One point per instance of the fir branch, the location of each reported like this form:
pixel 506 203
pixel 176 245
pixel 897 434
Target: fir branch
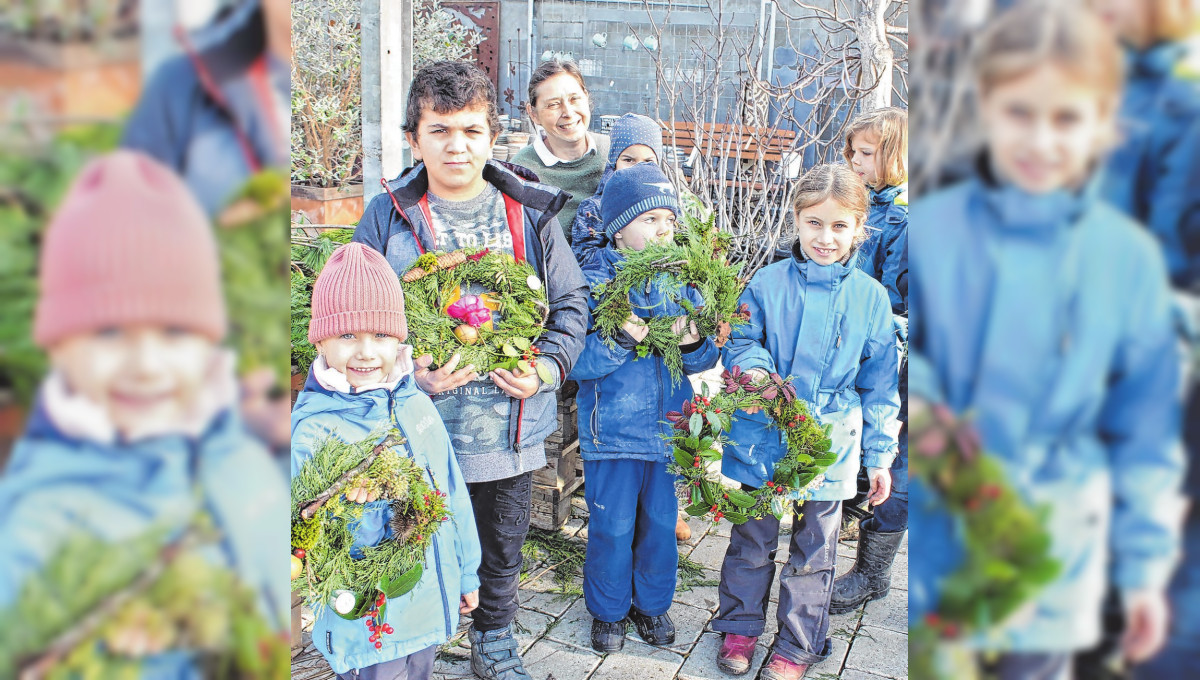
pixel 311 508
pixel 39 666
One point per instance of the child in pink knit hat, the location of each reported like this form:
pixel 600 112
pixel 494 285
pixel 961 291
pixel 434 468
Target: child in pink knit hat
pixel 361 382
pixel 135 429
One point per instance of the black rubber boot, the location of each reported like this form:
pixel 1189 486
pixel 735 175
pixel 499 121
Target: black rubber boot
pixel 608 637
pixel 871 577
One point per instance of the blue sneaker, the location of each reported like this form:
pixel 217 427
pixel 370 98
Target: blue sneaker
pixel 494 655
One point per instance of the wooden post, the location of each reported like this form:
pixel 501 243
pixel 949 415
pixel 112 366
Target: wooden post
pixel 387 67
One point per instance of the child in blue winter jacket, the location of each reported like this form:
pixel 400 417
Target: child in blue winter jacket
pixel 135 429
pixel 635 139
pixel 820 319
pixel 877 150
pixel 363 381
pixel 1046 314
pixel 632 556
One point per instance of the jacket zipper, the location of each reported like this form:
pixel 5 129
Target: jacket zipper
pixel 437 558
pixel 437 553
pixel 596 417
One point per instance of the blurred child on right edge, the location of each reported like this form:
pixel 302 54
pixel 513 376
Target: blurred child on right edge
pixel 1045 314
pixel 1154 173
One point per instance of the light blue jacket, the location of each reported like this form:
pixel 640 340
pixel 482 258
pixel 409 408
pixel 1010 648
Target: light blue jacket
pixel 830 328
pixel 428 615
pixel 1154 174
pixel 57 485
pixel 623 400
pixel 883 255
pixel 1048 318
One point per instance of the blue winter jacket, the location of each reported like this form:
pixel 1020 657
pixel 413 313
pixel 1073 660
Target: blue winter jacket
pixel 1048 318
pixel 179 122
pixel 882 255
pixel 830 328
pixel 587 232
pixel 403 236
pixel 1154 174
pixel 57 485
pixel 623 400
pixel 428 615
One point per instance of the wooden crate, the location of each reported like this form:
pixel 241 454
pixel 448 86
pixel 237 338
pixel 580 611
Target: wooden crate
pixel 551 507
pixel 560 471
pixel 562 446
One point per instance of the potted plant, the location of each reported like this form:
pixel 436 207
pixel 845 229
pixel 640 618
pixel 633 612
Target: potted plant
pixel 81 56
pixel 327 99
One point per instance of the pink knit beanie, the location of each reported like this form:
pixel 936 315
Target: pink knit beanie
pixel 128 245
pixel 357 292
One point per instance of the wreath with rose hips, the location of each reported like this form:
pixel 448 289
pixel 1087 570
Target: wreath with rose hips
pixel 1006 556
pixel 493 330
pixel 700 427
pixel 696 259
pixel 358 583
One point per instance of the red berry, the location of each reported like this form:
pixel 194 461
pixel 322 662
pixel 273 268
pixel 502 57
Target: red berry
pixel 299 552
pixel 378 645
pixel 802 418
pixel 770 484
pixel 387 628
pixel 718 410
pixel 370 624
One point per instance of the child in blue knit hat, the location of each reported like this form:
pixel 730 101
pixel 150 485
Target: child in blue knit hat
pixel 635 139
pixel 629 572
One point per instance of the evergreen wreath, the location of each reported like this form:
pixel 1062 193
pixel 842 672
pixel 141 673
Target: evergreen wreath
pixel 69 618
pixel 1006 552
pixel 700 428
pixel 323 566
pixel 443 322
pixel 697 258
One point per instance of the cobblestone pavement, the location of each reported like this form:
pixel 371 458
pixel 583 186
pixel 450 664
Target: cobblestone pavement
pixel 554 629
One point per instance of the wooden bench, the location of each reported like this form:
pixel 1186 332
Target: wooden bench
pixel 724 141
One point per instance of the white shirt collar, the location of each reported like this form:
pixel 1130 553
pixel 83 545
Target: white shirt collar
pixel 334 380
pixel 547 156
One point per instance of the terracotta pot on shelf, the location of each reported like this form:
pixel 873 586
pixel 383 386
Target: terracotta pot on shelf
pixel 333 205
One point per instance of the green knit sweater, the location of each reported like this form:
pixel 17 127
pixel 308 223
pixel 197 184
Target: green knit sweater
pixel 579 178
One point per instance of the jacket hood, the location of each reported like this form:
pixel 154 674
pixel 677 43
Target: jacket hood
pixel 232 41
pixel 515 182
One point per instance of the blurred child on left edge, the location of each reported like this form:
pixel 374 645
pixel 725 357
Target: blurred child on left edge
pixel 135 428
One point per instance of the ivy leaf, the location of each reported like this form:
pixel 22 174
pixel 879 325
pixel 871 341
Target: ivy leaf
pixel 696 509
pixel 521 343
pixel 695 423
pixel 736 517
pixel 683 458
pixel 704 389
pixel 740 498
pixel 714 420
pixel 709 492
pixel 510 351
pixel 544 372
pixel 403 583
